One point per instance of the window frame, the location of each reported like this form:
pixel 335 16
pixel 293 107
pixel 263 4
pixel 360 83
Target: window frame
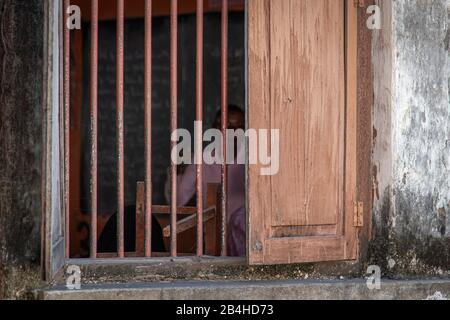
pixel 53 262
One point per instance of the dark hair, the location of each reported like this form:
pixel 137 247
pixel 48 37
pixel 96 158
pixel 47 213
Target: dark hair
pixel 232 108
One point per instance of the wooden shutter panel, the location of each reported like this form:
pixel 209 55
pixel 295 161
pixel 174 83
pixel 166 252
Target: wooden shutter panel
pixel 302 81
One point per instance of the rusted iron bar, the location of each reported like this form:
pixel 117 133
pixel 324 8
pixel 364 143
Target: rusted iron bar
pixel 199 118
pixel 148 128
pixel 120 128
pixel 174 118
pixel 67 126
pixel 224 120
pixel 94 126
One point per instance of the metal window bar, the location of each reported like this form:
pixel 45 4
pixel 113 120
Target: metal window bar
pixel 224 121
pixel 199 118
pixel 67 125
pixel 94 126
pixel 120 128
pixel 148 128
pixel 149 208
pixel 174 118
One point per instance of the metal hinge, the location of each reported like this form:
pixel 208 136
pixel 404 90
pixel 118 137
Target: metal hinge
pixel 359 3
pixel 358 221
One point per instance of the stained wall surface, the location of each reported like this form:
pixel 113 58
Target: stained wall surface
pixel 412 143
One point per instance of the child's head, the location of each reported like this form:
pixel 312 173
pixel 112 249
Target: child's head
pixel 236 118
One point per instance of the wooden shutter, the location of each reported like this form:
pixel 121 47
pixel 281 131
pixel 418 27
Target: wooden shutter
pixel 302 81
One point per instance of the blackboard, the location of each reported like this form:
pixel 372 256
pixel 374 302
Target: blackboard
pixel 134 98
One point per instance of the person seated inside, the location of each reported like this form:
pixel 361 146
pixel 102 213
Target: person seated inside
pixel 212 174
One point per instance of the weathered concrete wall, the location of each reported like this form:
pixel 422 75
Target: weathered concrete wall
pixel 412 147
pixel 21 72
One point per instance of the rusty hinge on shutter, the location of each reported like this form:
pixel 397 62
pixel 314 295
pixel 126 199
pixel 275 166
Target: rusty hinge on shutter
pixel 359 3
pixel 358 221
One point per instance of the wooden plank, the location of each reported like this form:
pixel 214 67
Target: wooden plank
pixel 190 222
pixel 287 98
pixel 307 92
pixel 323 49
pixel 305 231
pixel 351 138
pixel 180 210
pixel 140 219
pixel 259 187
pixel 309 249
pixel 76 216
